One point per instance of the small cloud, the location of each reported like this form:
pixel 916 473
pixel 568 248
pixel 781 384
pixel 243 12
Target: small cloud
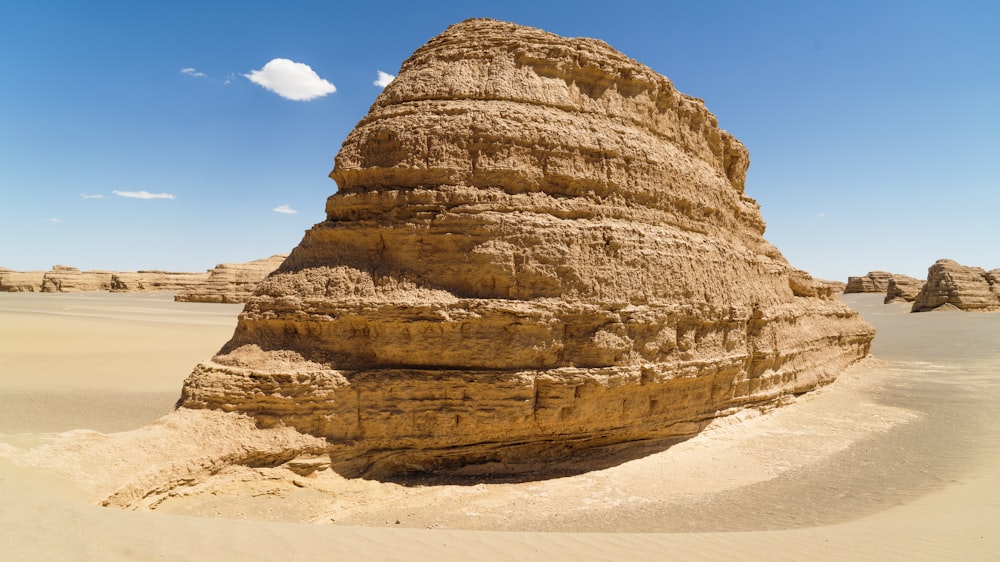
pixel 384 78
pixel 55 220
pixel 291 80
pixel 285 210
pixel 143 195
pixel 192 72
pixel 820 215
pixel 91 196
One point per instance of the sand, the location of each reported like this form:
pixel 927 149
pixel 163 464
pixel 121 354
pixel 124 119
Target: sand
pixel 899 458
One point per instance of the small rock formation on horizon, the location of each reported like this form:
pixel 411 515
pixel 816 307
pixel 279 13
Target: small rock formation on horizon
pixel 226 283
pixel 231 282
pixel 872 282
pixel 952 286
pixel 20 281
pixel 538 246
pixel 903 288
pixel 66 279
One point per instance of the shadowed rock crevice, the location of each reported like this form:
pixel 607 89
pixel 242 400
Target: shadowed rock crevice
pixel 538 247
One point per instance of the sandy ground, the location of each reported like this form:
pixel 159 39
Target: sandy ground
pixel 898 459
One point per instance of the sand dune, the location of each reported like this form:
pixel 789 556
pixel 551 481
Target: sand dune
pixel 899 458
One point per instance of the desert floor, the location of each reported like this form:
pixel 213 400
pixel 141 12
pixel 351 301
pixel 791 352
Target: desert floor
pixel 899 459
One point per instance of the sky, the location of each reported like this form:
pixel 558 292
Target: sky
pixel 178 135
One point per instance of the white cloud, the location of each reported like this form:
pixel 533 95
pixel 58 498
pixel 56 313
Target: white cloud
pixel 383 79
pixel 143 195
pixel 55 220
pixel 91 196
pixel 285 210
pixel 192 72
pixel 291 80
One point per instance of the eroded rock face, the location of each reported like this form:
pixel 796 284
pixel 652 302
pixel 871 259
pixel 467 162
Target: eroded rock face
pixel 66 279
pixel 145 281
pixel 951 285
pixel 538 245
pixel 903 288
pixel 872 282
pixel 20 281
pixel 231 282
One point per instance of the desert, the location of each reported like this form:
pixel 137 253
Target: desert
pixel 538 318
pixel 897 458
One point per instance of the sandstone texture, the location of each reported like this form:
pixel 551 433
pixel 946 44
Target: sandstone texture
pixel 66 279
pixel 952 286
pixel 20 281
pixel 903 288
pixel 231 282
pixel 169 281
pixel 872 282
pixel 538 246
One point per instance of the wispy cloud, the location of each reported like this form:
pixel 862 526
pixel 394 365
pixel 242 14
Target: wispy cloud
pixel 143 195
pixel 53 219
pixel 291 80
pixel 91 196
pixel 384 78
pixel 820 215
pixel 192 72
pixel 285 210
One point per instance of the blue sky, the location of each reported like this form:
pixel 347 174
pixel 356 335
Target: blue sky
pixel 138 135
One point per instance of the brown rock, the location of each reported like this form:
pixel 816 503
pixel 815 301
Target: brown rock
pixel 538 245
pixel 872 282
pixel 903 288
pixel 231 282
pixel 146 281
pixel 951 285
pixel 65 279
pixel 20 281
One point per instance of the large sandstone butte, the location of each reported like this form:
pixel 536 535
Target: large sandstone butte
pixel 538 245
pixel 871 282
pixel 231 282
pixel 951 285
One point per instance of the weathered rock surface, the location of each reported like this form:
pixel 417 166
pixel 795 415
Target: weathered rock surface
pixel 226 283
pixel 903 288
pixel 872 282
pixel 231 282
pixel 169 281
pixel 66 279
pixel 20 281
pixel 538 245
pixel 951 286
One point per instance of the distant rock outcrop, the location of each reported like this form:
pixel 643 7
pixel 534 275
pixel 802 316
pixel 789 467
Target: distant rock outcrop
pixel 231 282
pixel 538 245
pixel 951 286
pixel 145 281
pixel 66 279
pixel 872 282
pixel 903 288
pixel 227 283
pixel 20 281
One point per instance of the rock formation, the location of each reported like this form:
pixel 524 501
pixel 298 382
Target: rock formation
pixel 231 282
pixel 20 281
pixel 145 281
pixel 903 288
pixel 872 282
pixel 951 286
pixel 66 279
pixel 227 283
pixel 538 246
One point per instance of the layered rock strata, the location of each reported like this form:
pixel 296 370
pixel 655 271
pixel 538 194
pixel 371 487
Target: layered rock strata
pixel 871 282
pixel 66 279
pixel 538 245
pixel 20 281
pixel 231 282
pixel 903 288
pixel 951 286
pixel 144 281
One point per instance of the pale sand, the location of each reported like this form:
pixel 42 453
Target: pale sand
pixel 899 459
